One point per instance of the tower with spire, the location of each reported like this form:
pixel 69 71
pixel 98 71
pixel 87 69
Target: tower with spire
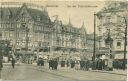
pixel 83 29
pixel 45 11
pixel 69 23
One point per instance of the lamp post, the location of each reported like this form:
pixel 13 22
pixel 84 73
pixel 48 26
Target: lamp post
pixel 109 42
pixel 1 59
pixel 94 55
pixel 27 38
pixel 1 47
pixel 125 42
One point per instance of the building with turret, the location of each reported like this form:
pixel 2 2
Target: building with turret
pixel 112 24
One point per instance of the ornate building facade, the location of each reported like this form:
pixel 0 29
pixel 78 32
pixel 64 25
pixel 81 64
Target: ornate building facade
pixel 112 24
pixel 28 28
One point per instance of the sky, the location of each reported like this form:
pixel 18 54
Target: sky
pixel 78 12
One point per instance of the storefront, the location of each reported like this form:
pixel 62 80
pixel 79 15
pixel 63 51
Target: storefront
pixel 119 61
pixel 104 56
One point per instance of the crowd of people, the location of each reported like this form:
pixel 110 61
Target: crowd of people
pixel 76 64
pixel 79 64
pixel 53 64
pixel 118 64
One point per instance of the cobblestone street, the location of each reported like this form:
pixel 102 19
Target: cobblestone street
pixel 33 72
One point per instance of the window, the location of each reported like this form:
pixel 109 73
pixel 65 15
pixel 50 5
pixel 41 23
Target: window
pixel 23 14
pixel 118 45
pixel 39 28
pixel 8 15
pixel 23 25
pixel 62 28
pixel 11 34
pixel 118 19
pixel 62 43
pixel 38 18
pixel 108 19
pixel 18 43
pixel 113 19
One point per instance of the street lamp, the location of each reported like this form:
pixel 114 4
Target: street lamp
pixel 125 42
pixel 94 38
pixel 109 42
pixel 94 53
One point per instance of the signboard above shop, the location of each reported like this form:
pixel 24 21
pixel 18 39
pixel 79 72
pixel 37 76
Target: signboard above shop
pixel 119 56
pixel 103 50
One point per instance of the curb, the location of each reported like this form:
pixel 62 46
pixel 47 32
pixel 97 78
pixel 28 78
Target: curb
pixel 109 72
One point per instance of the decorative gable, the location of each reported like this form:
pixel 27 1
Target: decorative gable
pixel 23 15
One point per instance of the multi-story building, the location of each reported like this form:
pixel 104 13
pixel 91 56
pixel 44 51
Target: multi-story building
pixel 28 27
pixel 90 45
pixel 24 26
pixel 112 23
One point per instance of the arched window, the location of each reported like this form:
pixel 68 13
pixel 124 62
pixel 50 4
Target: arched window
pixel 118 45
pixel 23 25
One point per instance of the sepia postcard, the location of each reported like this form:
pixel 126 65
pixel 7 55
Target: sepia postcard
pixel 63 40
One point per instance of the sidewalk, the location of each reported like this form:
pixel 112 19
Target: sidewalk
pixel 9 63
pixel 118 72
pixel 6 70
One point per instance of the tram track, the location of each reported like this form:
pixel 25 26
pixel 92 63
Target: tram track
pixel 55 74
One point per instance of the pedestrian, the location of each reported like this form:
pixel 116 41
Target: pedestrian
pixel 62 63
pixel 1 61
pixel 72 64
pixel 56 64
pixel 103 64
pixel 67 63
pixel 50 63
pixel 42 62
pixel 100 65
pixel 87 65
pixel 82 65
pixel 13 63
pixel 1 64
pixel 77 65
